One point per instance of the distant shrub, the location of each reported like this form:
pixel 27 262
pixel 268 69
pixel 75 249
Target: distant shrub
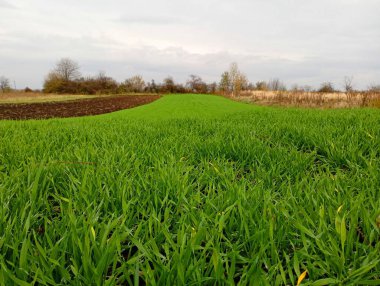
pixel 152 87
pixel 262 86
pixel 27 89
pixel 133 84
pixel 196 85
pixel 169 86
pixel 374 88
pixel 97 85
pixel 65 79
pixel 326 87
pixel 54 83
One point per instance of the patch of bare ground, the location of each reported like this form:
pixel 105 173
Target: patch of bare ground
pixel 73 108
pixel 312 99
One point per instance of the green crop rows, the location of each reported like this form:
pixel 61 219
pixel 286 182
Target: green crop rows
pixel 192 190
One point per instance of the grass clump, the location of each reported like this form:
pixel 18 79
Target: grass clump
pixel 192 189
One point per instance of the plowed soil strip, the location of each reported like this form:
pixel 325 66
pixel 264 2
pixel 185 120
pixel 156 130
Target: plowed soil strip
pixel 73 108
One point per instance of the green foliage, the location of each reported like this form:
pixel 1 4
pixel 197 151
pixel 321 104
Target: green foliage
pixel 192 190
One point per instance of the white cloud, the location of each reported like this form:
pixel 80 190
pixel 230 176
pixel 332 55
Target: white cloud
pixel 6 5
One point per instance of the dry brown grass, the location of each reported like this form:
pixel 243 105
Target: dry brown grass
pixel 312 99
pixel 32 97
pixel 375 103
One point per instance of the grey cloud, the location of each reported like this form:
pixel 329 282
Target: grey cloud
pixel 150 20
pixel 6 4
pixel 155 63
pixel 304 42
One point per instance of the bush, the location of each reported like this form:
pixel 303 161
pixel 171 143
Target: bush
pixel 196 85
pixel 169 86
pixel 54 83
pixel 261 85
pixel 374 88
pixel 133 84
pixel 326 87
pixel 101 84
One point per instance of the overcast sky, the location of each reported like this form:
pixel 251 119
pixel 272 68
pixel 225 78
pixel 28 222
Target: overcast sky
pixel 298 41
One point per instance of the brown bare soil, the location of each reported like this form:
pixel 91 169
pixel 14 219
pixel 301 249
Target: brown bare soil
pixel 73 108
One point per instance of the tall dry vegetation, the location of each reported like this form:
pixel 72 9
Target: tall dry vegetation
pixel 274 92
pixel 368 98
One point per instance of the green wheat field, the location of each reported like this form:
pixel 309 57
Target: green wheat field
pixel 192 190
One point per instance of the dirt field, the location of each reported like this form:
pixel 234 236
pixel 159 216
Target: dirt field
pixel 73 108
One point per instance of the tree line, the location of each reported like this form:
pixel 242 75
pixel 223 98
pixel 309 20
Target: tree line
pixel 66 78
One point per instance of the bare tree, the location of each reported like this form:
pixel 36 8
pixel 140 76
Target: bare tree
pixel 4 84
pixel 307 88
pixel 238 79
pixel 234 75
pixel 196 84
pixel 151 87
pixel 348 88
pixel 168 85
pixel 225 83
pixel 67 69
pixel 134 84
pixel 240 83
pixel 233 81
pixel 348 84
pixel 276 85
pixel 212 87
